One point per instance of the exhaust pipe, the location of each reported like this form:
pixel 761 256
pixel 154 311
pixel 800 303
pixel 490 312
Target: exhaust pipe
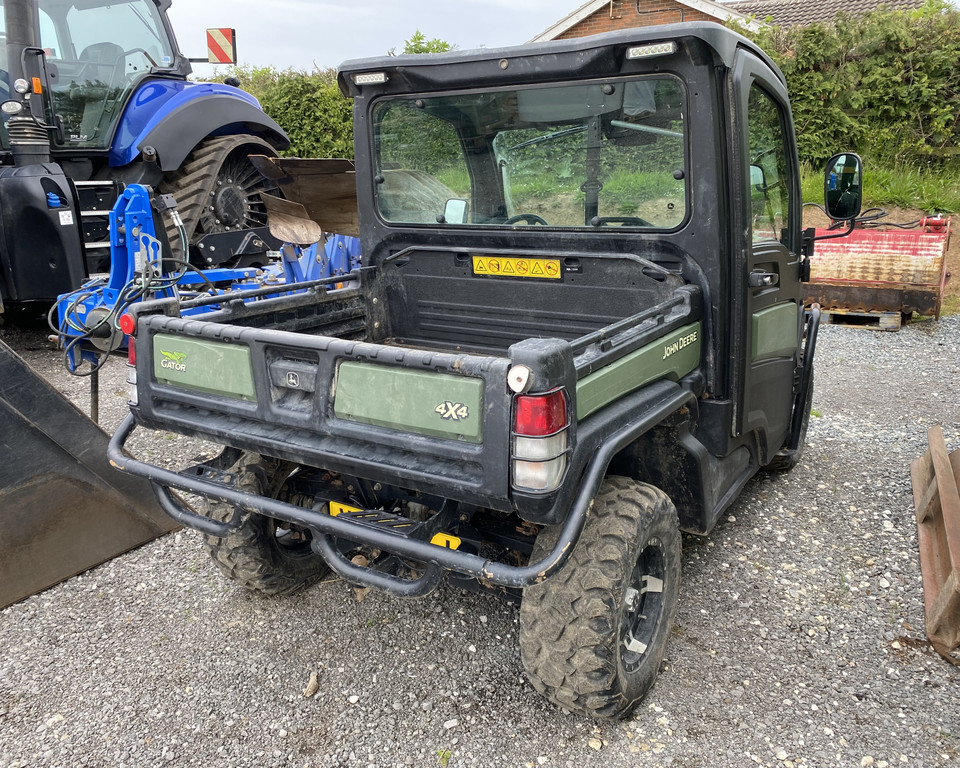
pixel 29 141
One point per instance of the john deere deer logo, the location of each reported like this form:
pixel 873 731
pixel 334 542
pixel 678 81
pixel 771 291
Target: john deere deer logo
pixel 175 361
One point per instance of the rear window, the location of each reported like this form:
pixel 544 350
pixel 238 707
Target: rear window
pixel 585 155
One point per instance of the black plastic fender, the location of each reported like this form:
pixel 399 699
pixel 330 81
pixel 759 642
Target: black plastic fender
pixel 214 114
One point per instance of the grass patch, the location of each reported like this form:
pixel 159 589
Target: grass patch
pixel 626 188
pixel 457 179
pixel 811 184
pixel 922 189
pixel 933 191
pixel 950 305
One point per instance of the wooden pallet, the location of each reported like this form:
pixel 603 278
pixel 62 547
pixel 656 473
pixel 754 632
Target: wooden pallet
pixel 936 476
pixel 877 321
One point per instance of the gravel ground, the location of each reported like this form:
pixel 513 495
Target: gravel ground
pixel 799 639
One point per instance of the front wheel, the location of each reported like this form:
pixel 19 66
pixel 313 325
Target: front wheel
pixel 263 554
pixel 593 635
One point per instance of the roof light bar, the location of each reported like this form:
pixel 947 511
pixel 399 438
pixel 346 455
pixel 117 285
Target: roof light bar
pixel 654 49
pixel 370 78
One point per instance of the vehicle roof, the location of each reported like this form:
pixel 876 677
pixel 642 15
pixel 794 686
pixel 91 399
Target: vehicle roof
pixel 454 69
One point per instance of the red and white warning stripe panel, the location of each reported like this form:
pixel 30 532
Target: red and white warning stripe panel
pixel 222 46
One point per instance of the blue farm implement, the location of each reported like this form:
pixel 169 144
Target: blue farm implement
pixel 89 318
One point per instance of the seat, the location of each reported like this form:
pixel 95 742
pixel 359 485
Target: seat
pixel 102 53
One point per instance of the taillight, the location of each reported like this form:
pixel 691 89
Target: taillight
pixel 540 441
pixel 132 397
pixel 128 324
pixel 540 415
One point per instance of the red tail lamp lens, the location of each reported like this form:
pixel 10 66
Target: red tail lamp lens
pixel 127 324
pixel 539 415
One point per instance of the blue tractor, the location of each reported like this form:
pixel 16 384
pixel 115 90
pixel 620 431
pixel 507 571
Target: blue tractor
pixel 94 96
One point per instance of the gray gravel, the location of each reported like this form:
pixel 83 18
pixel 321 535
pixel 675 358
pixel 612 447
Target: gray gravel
pixel 799 639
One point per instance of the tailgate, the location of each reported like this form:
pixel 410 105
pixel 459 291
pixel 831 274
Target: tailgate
pixel 435 421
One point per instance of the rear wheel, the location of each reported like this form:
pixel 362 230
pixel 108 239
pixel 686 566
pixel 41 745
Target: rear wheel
pixel 263 554
pixel 593 635
pixel 218 190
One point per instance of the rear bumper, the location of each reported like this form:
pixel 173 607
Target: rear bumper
pixel 666 399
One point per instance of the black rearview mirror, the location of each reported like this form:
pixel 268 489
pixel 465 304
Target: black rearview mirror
pixel 455 211
pixel 843 186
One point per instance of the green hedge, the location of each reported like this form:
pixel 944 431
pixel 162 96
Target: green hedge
pixel 886 84
pixel 307 105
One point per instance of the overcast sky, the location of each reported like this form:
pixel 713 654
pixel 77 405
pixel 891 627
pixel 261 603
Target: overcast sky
pixel 323 33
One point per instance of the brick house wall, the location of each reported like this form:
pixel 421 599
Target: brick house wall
pixel 634 13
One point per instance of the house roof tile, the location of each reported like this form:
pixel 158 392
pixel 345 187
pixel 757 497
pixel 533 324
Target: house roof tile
pixel 788 13
pixel 719 10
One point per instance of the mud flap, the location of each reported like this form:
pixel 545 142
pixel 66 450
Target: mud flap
pixel 63 508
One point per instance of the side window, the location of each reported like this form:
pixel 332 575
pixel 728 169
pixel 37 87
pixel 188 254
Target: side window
pixel 420 165
pixel 48 37
pixel 770 182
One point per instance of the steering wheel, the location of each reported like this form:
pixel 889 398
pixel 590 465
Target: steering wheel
pixel 602 221
pixel 530 218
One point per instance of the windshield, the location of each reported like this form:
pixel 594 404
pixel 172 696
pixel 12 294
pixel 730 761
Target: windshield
pixel 598 154
pixel 100 51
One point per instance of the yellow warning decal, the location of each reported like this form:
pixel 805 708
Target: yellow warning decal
pixel 336 508
pixel 446 540
pixel 440 539
pixel 498 266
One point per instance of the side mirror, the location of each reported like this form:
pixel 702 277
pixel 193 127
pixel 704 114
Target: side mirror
pixel 455 211
pixel 843 186
pixel 757 179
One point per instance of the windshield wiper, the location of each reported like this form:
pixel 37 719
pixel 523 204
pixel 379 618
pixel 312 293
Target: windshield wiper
pixel 549 137
pixel 147 24
pixel 645 128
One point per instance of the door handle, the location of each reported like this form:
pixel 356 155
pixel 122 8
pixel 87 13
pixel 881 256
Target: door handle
pixel 763 279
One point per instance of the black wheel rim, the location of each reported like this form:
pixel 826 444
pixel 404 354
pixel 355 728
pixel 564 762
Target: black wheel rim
pixel 643 605
pixel 292 541
pixel 235 200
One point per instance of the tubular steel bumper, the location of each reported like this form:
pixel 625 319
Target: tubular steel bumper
pixel 437 558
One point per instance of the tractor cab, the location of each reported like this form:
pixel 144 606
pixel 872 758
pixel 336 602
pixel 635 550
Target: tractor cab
pixel 91 57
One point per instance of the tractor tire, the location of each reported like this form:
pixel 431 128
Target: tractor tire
pixel 592 636
pixel 785 461
pixel 263 554
pixel 217 189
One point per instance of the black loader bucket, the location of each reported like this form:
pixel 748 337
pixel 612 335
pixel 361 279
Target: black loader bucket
pixel 63 508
